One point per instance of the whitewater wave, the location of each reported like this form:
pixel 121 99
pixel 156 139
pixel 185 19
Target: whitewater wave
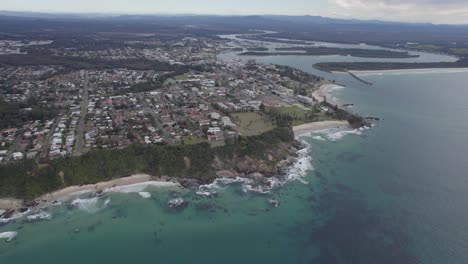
pixel 319 138
pixel 219 184
pixel 139 187
pixel 15 216
pixel 333 88
pixel 90 205
pixel 145 195
pixel 335 134
pixel 8 236
pixel 300 168
pixel 39 217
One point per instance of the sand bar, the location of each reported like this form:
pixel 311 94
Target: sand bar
pixel 410 71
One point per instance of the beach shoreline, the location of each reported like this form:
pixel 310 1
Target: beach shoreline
pixel 322 93
pixel 318 126
pixel 416 70
pixel 116 185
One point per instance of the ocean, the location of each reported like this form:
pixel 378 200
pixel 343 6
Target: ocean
pixel 394 193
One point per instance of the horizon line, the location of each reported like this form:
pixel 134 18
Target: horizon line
pixel 99 13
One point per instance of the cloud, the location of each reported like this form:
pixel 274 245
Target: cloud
pixel 436 11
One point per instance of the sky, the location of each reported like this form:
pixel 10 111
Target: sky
pixel 434 11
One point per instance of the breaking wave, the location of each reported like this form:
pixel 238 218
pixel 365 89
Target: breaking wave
pixel 90 205
pixel 39 217
pixel 139 187
pixel 8 236
pixel 145 195
pixel 337 134
pixel 15 216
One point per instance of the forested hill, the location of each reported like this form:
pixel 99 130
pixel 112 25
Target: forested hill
pixel 287 27
pixel 27 179
pixel 378 66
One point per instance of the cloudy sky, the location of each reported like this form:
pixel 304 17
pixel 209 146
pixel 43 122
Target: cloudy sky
pixel 436 11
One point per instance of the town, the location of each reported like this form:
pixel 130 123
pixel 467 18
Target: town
pixel 54 111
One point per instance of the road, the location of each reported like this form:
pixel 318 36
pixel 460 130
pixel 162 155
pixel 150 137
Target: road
pixel 79 146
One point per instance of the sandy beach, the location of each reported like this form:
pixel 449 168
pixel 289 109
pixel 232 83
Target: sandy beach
pixel 415 71
pixel 127 184
pixel 321 93
pixel 109 186
pixel 317 126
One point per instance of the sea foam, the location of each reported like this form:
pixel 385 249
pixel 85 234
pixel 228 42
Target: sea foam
pixel 9 236
pixel 139 187
pixel 90 205
pixel 145 195
pixel 335 134
pixel 16 215
pixel 39 217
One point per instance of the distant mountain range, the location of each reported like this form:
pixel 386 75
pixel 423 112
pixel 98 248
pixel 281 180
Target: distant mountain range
pixel 285 18
pixel 297 27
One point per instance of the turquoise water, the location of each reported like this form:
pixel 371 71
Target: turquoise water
pixel 393 194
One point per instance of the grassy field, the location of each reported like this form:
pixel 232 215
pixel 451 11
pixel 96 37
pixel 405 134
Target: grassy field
pixel 181 77
pixel 215 144
pixel 426 47
pixel 252 123
pixel 460 51
pixel 191 140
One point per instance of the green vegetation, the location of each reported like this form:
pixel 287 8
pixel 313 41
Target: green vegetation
pixel 27 179
pixel 426 47
pixel 340 114
pixel 252 123
pixel 294 115
pixel 459 51
pixel 191 140
pixel 254 146
pixel 363 66
pixel 79 63
pixel 182 77
pixel 155 84
pixel 12 116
